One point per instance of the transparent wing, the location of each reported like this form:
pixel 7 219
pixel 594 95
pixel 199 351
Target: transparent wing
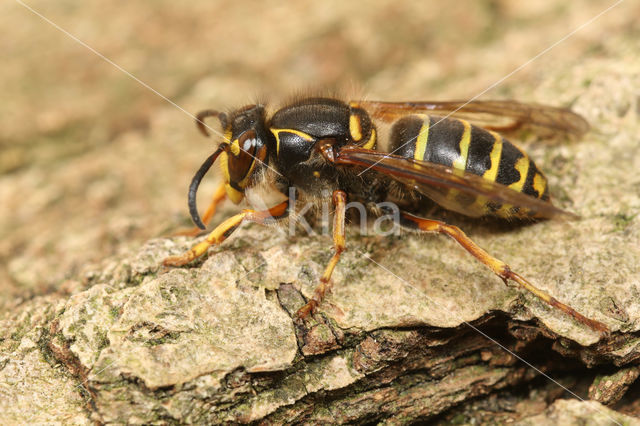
pixel 438 182
pixel 507 117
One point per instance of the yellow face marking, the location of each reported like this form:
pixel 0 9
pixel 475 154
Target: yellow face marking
pixel 460 164
pixel 522 166
pixel 224 165
pixel 234 195
pixel 423 138
pixel 355 127
pixel 496 154
pixel 235 147
pixel 316 174
pixel 224 159
pixel 276 133
pixel 372 140
pixel 539 184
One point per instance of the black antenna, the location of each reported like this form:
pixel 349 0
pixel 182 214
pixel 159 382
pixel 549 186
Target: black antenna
pixel 210 113
pixel 195 182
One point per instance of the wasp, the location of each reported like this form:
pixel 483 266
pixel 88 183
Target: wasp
pixel 453 153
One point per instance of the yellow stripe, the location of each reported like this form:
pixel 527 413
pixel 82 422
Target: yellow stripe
pixel 355 128
pixel 461 162
pixel 276 133
pixel 496 154
pixel 522 166
pixel 372 140
pixel 224 165
pixel 539 184
pixel 491 174
pixel 245 180
pixel 423 138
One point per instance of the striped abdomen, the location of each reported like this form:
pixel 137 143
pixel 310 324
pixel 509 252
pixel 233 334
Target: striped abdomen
pixel 458 144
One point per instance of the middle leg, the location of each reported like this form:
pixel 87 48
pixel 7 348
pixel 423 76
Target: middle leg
pixel 340 201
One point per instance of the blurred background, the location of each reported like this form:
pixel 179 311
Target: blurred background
pixel 93 163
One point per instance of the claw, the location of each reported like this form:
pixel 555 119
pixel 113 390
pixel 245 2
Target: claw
pixel 307 309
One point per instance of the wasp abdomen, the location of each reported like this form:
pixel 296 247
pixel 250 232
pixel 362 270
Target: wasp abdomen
pixel 457 144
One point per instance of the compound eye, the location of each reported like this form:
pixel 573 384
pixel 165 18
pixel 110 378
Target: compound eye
pixel 244 153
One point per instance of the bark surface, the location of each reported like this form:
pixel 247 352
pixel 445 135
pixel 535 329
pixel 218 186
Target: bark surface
pixel 94 178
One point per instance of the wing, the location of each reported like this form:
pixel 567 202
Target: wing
pixel 439 182
pixel 506 117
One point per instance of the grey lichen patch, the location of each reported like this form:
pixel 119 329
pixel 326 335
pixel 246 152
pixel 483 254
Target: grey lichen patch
pixel 34 392
pixel 87 318
pixel 19 329
pixel 176 328
pixel 33 387
pixel 129 269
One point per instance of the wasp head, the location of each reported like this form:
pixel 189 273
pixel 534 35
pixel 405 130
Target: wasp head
pixel 242 154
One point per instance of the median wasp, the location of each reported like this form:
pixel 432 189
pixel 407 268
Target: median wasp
pixel 453 153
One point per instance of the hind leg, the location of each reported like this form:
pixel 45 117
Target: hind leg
pixel 500 268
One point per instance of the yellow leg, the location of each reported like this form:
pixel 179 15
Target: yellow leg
pixel 218 197
pixel 340 201
pixel 225 229
pixel 497 266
